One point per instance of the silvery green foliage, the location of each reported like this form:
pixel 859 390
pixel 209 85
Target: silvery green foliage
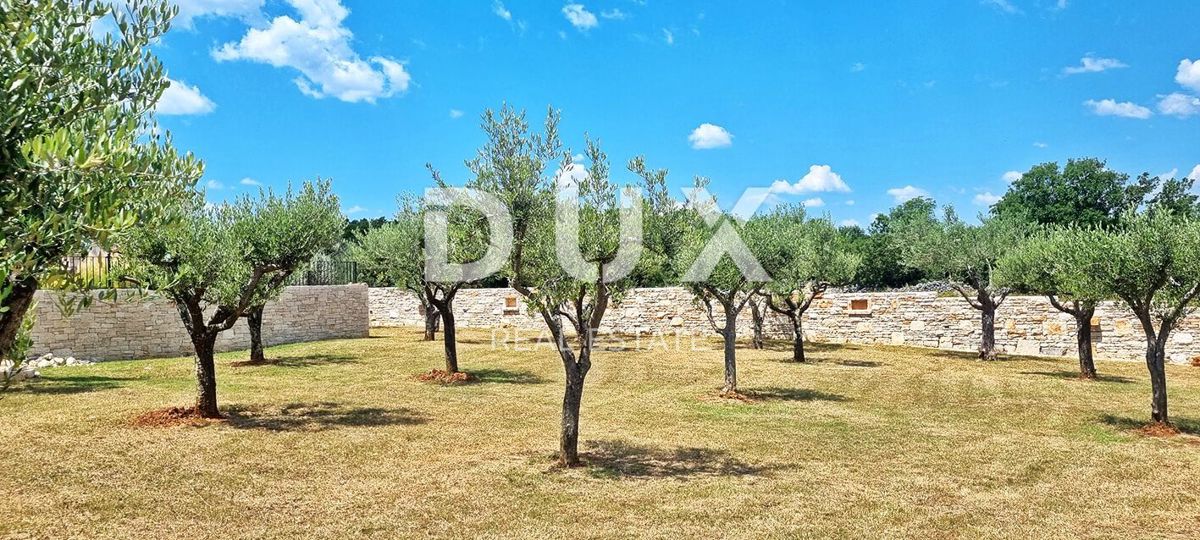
pixel 958 251
pixel 232 256
pixel 1151 261
pixel 395 253
pixel 283 232
pixel 391 254
pixel 806 255
pixel 515 164
pixel 80 156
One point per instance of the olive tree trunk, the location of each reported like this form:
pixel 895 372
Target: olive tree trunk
pixel 432 317
pixel 797 338
pixel 1156 364
pixel 16 305
pixel 757 315
pixel 1083 344
pixel 572 400
pixel 445 307
pixel 206 374
pixel 987 342
pixel 254 319
pixel 449 341
pixel 729 333
pixel 1082 311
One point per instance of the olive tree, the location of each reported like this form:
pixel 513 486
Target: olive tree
pixel 285 232
pixel 966 256
pixel 813 255
pixel 399 252
pixel 1151 261
pixel 204 262
pixel 1039 265
pixel 80 158
pixel 568 276
pixel 721 269
pixel 390 254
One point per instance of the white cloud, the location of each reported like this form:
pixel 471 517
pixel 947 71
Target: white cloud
pixel 1091 64
pixel 668 37
pixel 1040 144
pixel 815 202
pixel 849 223
pixel 456 114
pixel 579 17
pixel 572 175
pixel 985 199
pixel 214 185
pixel 1011 176
pixel 1195 174
pixel 1061 4
pixel 1002 5
pixel 1189 74
pixel 189 10
pixel 356 209
pixel 820 178
pixel 1177 104
pixel 500 11
pixel 906 193
pixel 179 99
pixel 850 202
pixel 1126 109
pixel 318 46
pixel 614 14
pixel 709 136
pixel 1170 174
pixel 857 67
pixel 247 181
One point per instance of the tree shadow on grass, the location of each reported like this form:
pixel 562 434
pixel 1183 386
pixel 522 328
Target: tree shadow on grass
pixel 785 345
pixel 51 384
pixel 505 376
pixel 318 416
pixel 300 361
pixel 1074 375
pixel 775 393
pixel 620 459
pixel 1190 426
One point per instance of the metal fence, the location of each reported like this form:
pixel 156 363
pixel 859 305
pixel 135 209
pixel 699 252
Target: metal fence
pixel 326 272
pixel 100 272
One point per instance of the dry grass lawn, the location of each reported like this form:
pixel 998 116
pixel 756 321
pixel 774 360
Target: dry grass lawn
pixel 340 441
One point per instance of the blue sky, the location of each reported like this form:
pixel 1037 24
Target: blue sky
pixel 854 104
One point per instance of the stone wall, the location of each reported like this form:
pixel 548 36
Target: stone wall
pixel 149 328
pixel 1026 325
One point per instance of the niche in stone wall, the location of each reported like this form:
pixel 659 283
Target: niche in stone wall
pixel 860 307
pixel 510 305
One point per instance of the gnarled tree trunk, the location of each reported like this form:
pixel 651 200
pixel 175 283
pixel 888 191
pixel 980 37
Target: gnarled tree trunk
pixel 757 315
pixel 987 342
pixel 445 307
pixel 254 319
pixel 797 338
pixel 568 455
pixel 1083 344
pixel 1082 311
pixel 432 317
pixel 206 374
pixel 16 305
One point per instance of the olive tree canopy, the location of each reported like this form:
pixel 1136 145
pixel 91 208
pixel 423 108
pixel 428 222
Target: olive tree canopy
pixel 80 157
